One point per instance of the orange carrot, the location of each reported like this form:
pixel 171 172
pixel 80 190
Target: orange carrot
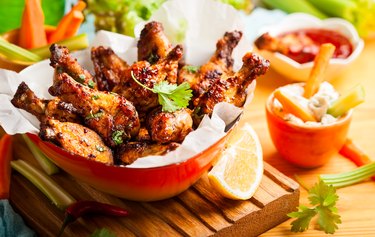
pixel 355 154
pixel 32 32
pixel 5 158
pixel 69 24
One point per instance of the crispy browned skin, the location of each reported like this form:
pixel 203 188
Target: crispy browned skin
pixel 149 75
pixel 109 67
pixel 76 139
pixel 166 127
pixel 62 61
pixel 153 44
pixel 25 99
pixel 127 153
pixel 233 88
pixel 220 64
pixel 112 116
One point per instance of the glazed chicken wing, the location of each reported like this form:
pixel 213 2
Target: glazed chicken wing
pixel 62 61
pixel 112 116
pixel 165 127
pixel 153 44
pixel 165 70
pixel 109 67
pixel 25 99
pixel 77 139
pixel 220 64
pixel 128 152
pixel 233 88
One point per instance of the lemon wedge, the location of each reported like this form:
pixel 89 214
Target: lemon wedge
pixel 239 170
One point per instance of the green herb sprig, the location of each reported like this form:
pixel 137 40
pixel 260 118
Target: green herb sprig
pixel 170 96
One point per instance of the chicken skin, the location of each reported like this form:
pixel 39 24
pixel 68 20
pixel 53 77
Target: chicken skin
pixel 129 152
pixel 153 44
pixel 109 67
pixel 220 64
pixel 113 117
pixel 25 99
pixel 233 89
pixel 76 139
pixel 165 127
pixel 62 61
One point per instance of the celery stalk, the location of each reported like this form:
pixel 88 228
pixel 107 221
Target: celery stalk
pixel 291 6
pixel 48 166
pixel 73 43
pixel 351 177
pixel 44 183
pixel 339 8
pixel 14 52
pixel 347 101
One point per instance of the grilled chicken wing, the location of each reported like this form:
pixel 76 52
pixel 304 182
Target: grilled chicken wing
pixel 62 61
pixel 25 99
pixel 109 67
pixel 166 127
pixel 233 88
pixel 77 139
pixel 129 152
pixel 220 64
pixel 112 116
pixel 165 70
pixel 153 44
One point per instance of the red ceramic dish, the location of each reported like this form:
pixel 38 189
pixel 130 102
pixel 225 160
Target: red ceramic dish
pixel 138 184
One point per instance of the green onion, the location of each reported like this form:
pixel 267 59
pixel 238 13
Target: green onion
pixel 73 43
pixel 351 177
pixel 291 6
pixel 44 183
pixel 47 165
pixel 14 52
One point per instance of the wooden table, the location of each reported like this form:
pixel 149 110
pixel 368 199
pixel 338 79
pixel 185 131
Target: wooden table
pixel 357 203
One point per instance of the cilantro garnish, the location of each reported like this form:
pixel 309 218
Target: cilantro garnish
pixel 117 137
pixel 171 97
pixel 191 68
pixel 323 198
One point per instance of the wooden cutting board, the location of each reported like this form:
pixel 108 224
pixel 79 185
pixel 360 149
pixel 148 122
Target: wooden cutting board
pixel 196 212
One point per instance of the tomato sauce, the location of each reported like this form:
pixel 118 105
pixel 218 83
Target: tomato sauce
pixel 303 45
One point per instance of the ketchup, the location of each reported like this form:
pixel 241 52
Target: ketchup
pixel 303 45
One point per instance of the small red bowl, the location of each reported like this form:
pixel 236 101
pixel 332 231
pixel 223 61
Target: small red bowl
pixel 138 184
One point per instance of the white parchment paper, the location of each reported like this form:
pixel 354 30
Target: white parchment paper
pixel 204 21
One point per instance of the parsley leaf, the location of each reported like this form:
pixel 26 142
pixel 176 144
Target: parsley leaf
pixel 170 96
pixel 323 197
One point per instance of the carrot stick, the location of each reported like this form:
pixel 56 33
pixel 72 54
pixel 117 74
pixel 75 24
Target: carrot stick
pixel 69 24
pixel 355 154
pixel 32 33
pixel 316 76
pixel 292 106
pixel 5 168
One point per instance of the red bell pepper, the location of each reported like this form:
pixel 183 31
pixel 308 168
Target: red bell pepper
pixel 5 169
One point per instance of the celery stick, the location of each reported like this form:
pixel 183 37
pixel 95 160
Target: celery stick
pixel 14 52
pixel 291 6
pixel 347 101
pixel 48 166
pixel 73 43
pixel 340 8
pixel 44 183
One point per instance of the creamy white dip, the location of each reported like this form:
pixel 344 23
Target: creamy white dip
pixel 317 104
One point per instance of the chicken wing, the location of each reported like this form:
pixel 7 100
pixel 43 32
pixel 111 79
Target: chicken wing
pixel 149 75
pixel 62 61
pixel 220 64
pixel 153 44
pixel 113 117
pixel 76 139
pixel 25 99
pixel 129 152
pixel 109 67
pixel 233 88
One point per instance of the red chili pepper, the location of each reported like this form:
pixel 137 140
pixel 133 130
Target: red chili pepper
pixel 5 170
pixel 355 154
pixel 81 208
